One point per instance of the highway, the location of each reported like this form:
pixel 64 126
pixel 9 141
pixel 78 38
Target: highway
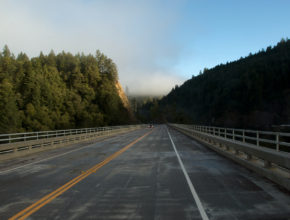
pixel 146 174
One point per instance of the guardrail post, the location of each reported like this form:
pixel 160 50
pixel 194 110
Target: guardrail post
pixel 244 140
pixel 277 141
pixel 9 138
pixel 233 134
pixel 226 133
pixel 258 142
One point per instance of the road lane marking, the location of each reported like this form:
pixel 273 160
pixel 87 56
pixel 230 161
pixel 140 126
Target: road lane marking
pixel 191 187
pixel 48 198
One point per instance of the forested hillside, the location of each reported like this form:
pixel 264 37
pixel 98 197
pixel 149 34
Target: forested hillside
pixel 252 92
pixel 58 91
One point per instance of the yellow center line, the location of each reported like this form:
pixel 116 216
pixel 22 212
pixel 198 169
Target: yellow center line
pixel 48 198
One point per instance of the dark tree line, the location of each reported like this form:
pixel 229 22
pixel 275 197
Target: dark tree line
pixel 252 92
pixel 58 91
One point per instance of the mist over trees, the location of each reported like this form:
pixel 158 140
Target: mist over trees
pixel 58 91
pixel 252 92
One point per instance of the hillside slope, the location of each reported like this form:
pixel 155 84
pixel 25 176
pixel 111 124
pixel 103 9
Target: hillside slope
pixel 253 92
pixel 123 96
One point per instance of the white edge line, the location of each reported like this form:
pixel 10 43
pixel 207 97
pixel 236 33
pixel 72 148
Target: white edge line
pixel 49 158
pixel 191 187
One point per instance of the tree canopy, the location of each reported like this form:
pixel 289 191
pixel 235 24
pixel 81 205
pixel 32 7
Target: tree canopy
pixel 58 91
pixel 252 92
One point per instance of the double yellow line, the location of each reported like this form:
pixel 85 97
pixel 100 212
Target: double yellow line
pixel 48 198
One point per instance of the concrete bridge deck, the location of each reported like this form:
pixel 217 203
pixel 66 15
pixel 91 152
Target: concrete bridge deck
pixel 137 175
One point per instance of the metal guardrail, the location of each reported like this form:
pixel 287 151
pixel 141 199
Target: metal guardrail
pixel 275 140
pixel 29 136
pixel 18 144
pixel 266 153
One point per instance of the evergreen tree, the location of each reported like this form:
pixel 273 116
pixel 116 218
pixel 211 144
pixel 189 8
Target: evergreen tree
pixel 251 92
pixel 58 91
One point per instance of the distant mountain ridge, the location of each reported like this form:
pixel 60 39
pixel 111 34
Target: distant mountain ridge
pixel 252 92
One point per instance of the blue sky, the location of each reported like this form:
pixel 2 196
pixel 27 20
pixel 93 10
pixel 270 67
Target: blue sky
pixel 155 43
pixel 227 30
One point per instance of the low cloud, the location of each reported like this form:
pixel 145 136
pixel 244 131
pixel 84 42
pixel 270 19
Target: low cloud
pixel 140 36
pixel 153 84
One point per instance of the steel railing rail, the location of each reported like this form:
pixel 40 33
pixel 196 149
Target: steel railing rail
pixel 25 136
pixel 280 141
pixel 16 144
pixel 264 152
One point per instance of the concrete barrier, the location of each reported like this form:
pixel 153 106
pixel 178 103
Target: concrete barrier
pixel 22 148
pixel 274 165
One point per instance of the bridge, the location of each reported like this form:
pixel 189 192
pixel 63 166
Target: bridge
pixel 135 172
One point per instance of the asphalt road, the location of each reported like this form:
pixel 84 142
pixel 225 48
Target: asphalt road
pixel 126 177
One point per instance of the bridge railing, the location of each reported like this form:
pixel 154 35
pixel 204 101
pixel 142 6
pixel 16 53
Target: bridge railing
pixel 28 136
pixel 18 144
pixel 266 153
pixel 280 141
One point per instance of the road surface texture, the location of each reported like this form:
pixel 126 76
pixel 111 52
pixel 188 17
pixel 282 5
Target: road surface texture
pixel 158 175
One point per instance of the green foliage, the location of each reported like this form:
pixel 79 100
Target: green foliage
pixel 251 92
pixel 9 114
pixel 58 91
